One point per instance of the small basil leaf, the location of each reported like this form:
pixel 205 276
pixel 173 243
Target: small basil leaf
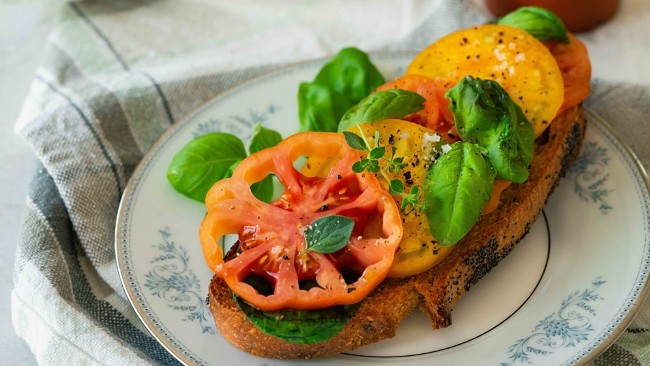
pixel 355 141
pixel 538 22
pixel 486 115
pixel 328 234
pixel 300 326
pixel 202 162
pixel 456 188
pixel 340 84
pixel 392 103
pixel 263 138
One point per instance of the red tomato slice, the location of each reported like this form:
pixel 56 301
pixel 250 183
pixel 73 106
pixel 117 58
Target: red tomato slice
pixel 271 236
pixel 573 60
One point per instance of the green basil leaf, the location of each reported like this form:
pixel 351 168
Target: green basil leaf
pixel 392 103
pixel 350 73
pixel 511 153
pixel 300 326
pixel 538 22
pixel 355 141
pixel 486 115
pixel 456 188
pixel 317 108
pixel 202 162
pixel 340 84
pixel 328 234
pixel 263 138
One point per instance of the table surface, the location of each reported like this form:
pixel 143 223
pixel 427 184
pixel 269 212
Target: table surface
pixel 619 50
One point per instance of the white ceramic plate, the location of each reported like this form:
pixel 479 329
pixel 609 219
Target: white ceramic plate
pixel 561 297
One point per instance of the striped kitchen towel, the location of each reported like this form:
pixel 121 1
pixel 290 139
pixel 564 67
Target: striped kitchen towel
pixel 116 75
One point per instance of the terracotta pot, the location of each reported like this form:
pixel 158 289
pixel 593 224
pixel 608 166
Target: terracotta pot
pixel 578 15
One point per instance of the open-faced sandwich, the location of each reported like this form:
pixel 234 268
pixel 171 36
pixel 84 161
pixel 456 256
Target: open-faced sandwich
pixel 428 182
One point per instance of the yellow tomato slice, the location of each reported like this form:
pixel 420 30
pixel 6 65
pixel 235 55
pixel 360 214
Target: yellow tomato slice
pixel 418 250
pixel 521 64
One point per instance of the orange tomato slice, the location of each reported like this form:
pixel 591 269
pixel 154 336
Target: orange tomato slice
pixel 521 64
pixel 573 60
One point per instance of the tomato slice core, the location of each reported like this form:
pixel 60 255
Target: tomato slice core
pixel 271 235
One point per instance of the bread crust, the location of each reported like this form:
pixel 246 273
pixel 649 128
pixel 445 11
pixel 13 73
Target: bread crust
pixel 434 291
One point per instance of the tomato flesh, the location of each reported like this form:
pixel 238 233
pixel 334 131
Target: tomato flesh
pixel 271 236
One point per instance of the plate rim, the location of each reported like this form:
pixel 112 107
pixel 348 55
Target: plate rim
pixel 645 291
pixel 127 196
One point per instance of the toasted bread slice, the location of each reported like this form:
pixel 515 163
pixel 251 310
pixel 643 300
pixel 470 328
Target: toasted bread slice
pixel 436 290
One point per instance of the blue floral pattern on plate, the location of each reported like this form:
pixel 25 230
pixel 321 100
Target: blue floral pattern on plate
pixel 240 126
pixel 590 176
pixel 570 325
pixel 172 280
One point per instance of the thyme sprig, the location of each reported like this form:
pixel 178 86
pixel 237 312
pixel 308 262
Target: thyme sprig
pixel 411 200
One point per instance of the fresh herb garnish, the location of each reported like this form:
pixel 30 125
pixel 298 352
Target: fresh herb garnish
pixel 497 143
pixel 486 115
pixel 538 22
pixel 392 164
pixel 341 83
pixel 456 189
pixel 209 158
pixel 328 234
pixel 411 201
pixel 392 103
pixel 356 142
